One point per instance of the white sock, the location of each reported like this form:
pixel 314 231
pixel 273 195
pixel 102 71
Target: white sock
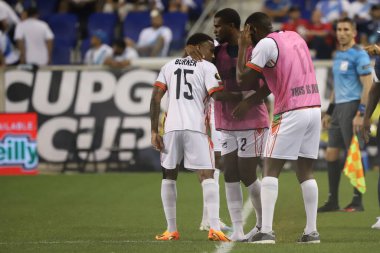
pixel 211 197
pixel 204 214
pixel 310 199
pixel 169 201
pixel 216 176
pixel 254 193
pixel 269 193
pixel 234 197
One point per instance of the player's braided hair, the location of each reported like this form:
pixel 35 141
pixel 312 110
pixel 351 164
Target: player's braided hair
pixel 198 38
pixel 229 16
pixel 260 20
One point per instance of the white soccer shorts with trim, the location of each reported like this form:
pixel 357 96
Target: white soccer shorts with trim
pixel 194 147
pixel 249 143
pixel 295 133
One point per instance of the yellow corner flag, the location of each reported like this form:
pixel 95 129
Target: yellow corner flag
pixel 353 168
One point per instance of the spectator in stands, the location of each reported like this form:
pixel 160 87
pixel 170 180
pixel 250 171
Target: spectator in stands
pixel 368 30
pixel 82 8
pixel 11 16
pixel 277 10
pixel 34 39
pixel 122 55
pixel 8 54
pixel 360 10
pixel 99 51
pixel 333 10
pixel 155 40
pixel 181 5
pixel 319 36
pixel 295 22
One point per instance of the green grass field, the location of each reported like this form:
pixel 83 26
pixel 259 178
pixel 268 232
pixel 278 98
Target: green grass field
pixel 122 213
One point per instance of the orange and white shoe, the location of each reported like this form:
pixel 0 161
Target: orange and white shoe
pixel 214 235
pixel 168 236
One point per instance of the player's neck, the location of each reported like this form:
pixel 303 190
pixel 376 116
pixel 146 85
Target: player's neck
pixel 234 39
pixel 344 47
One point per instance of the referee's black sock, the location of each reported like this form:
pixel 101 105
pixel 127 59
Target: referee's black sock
pixel 334 170
pixel 357 198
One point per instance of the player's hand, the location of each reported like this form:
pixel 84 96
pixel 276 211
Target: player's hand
pixel 373 49
pixel 245 37
pixel 361 127
pixel 326 120
pixel 194 52
pixel 240 110
pixel 366 129
pixel 157 142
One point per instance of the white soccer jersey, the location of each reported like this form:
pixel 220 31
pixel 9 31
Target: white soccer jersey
pixel 189 83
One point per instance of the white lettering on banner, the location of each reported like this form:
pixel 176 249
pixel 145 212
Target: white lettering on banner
pixel 42 87
pixel 86 90
pixel 16 150
pixel 16 126
pixel 17 76
pixel 46 134
pixel 125 86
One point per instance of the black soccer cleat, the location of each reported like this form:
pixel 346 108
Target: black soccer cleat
pixel 329 207
pixel 263 238
pixel 313 237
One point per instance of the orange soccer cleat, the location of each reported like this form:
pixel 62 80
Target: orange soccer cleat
pixel 214 235
pixel 168 236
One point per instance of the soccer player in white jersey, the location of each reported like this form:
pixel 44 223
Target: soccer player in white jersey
pixel 189 85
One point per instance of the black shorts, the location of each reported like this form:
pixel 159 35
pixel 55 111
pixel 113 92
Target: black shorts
pixel 341 129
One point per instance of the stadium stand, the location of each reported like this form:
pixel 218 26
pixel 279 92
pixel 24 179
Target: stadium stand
pixel 134 23
pixel 176 21
pixel 103 21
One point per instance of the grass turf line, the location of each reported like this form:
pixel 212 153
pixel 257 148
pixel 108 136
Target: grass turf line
pixel 123 212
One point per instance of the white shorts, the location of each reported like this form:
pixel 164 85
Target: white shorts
pixel 249 143
pixel 193 147
pixel 295 133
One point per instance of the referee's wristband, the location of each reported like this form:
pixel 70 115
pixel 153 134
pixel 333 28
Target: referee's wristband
pixel 330 109
pixel 361 108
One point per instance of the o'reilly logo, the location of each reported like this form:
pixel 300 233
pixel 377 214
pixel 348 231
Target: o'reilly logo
pixel 18 150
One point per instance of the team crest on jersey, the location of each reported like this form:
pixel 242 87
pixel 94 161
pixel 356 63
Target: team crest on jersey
pixel 217 76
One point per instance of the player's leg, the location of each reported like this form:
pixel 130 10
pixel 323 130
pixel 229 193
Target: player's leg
pixel 307 155
pixel 334 167
pixel 309 189
pixel 283 144
pixel 234 193
pixel 377 224
pixel 251 148
pixel 169 160
pixel 348 112
pixel 198 156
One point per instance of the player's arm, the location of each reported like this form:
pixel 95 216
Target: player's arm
pixel 159 90
pixel 222 95
pixel 258 97
pixel 326 119
pixel 364 69
pixel 244 42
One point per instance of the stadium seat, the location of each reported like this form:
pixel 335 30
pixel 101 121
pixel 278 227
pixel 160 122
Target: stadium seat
pixel 105 22
pixel 64 27
pixel 46 8
pixel 84 48
pixel 61 53
pixel 134 22
pixel 176 21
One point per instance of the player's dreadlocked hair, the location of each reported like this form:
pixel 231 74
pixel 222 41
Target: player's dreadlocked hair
pixel 228 16
pixel 198 38
pixel 260 20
